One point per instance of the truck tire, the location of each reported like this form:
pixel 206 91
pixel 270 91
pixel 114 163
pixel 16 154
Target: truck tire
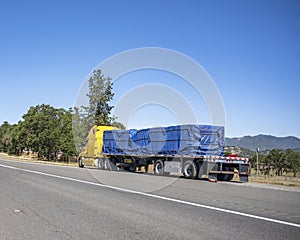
pixel 226 177
pixel 158 168
pixel 229 177
pixel 80 162
pixel 190 170
pixel 107 164
pixel 101 163
pixel 220 176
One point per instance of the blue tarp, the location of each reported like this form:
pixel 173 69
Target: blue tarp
pixel 189 140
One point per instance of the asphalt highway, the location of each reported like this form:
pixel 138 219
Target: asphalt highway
pixel 39 201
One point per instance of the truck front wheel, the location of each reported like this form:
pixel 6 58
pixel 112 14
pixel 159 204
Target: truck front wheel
pixel 80 164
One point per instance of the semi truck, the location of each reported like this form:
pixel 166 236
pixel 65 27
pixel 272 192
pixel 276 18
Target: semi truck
pixel 194 151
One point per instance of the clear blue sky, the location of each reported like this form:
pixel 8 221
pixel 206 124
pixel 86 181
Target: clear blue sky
pixel 250 48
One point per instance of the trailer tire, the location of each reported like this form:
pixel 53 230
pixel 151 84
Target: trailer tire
pixel 229 177
pixel 226 177
pixel 101 163
pixel 220 177
pixel 158 168
pixel 190 170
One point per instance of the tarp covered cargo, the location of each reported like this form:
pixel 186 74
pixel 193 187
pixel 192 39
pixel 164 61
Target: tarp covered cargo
pixel 191 140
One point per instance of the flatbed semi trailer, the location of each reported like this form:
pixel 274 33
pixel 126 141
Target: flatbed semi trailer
pixel 194 151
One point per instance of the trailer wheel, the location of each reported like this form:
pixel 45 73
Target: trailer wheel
pixel 101 163
pixel 190 170
pixel 226 177
pixel 80 162
pixel 158 167
pixel 220 177
pixel 229 177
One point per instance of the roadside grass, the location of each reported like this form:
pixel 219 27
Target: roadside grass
pixel 5 156
pixel 278 180
pixel 286 179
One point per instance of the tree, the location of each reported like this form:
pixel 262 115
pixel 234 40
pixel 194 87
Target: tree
pixel 100 94
pixel 4 136
pixel 118 125
pixel 292 159
pixel 41 124
pixel 11 140
pixel 275 159
pixel 16 145
pixel 47 131
pixel 263 163
pixel 66 140
pixel 98 111
pixel 80 128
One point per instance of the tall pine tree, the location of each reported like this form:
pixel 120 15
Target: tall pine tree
pixel 100 94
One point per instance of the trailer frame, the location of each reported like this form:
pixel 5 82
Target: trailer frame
pixel 215 168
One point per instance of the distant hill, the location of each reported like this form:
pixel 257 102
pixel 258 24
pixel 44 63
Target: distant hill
pixel 264 142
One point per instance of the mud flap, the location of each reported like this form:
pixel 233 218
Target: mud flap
pixel 244 172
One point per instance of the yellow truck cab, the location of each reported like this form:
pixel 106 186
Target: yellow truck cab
pixel 93 148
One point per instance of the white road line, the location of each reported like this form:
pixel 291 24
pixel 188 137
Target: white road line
pixel 156 196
